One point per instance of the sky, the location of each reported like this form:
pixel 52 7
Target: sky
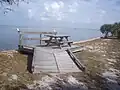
pixel 62 13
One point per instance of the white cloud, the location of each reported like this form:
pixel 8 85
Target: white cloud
pixel 88 20
pixel 103 11
pixel 72 10
pixel 44 18
pixel 83 11
pixel 61 4
pixel 55 6
pixel 73 7
pixel 96 1
pixel 53 9
pixel 60 16
pixel 30 14
pixel 46 7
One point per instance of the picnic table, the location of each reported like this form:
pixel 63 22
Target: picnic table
pixel 58 40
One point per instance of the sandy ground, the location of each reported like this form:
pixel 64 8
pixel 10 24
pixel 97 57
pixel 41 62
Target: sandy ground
pixel 100 56
pixel 102 60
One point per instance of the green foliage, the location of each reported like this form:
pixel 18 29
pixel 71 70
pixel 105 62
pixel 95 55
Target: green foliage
pixel 105 29
pixel 10 2
pixel 114 29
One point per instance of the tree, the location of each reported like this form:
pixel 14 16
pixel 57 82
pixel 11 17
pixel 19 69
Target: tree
pixel 10 2
pixel 106 29
pixel 114 29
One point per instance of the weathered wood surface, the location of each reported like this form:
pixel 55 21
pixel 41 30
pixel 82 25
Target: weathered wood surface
pixel 35 38
pixel 78 63
pixel 40 38
pixel 52 61
pixel 32 32
pixel 65 63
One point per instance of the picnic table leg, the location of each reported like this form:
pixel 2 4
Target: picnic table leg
pixel 60 46
pixel 66 38
pixel 57 42
pixel 40 38
pixel 69 44
pixel 49 41
pixel 61 39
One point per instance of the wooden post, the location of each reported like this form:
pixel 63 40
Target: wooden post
pixel 20 39
pixel 40 38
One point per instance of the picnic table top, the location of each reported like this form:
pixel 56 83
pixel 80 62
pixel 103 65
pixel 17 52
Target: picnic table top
pixel 58 35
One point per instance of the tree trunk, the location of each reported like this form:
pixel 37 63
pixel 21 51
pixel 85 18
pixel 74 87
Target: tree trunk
pixel 118 35
pixel 106 35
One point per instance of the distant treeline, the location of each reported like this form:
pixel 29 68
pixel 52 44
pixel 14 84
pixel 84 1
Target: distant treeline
pixel 112 29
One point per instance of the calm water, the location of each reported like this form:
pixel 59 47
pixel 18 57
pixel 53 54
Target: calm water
pixel 9 35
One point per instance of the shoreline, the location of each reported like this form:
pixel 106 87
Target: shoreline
pixel 75 42
pixel 83 41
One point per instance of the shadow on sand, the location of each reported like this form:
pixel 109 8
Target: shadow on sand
pixel 29 62
pixel 29 59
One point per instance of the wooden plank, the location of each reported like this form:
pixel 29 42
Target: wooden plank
pixel 57 36
pixel 32 32
pixel 38 70
pixel 79 64
pixel 35 38
pixel 44 61
pixel 31 38
pixel 47 69
pixel 65 63
pixel 53 60
pixel 76 48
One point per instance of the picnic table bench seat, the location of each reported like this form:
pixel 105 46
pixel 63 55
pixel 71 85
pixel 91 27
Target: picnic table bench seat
pixel 66 42
pixel 47 39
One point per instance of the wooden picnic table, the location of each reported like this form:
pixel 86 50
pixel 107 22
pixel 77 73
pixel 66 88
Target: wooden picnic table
pixel 57 39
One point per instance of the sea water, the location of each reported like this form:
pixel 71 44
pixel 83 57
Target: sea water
pixel 9 36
